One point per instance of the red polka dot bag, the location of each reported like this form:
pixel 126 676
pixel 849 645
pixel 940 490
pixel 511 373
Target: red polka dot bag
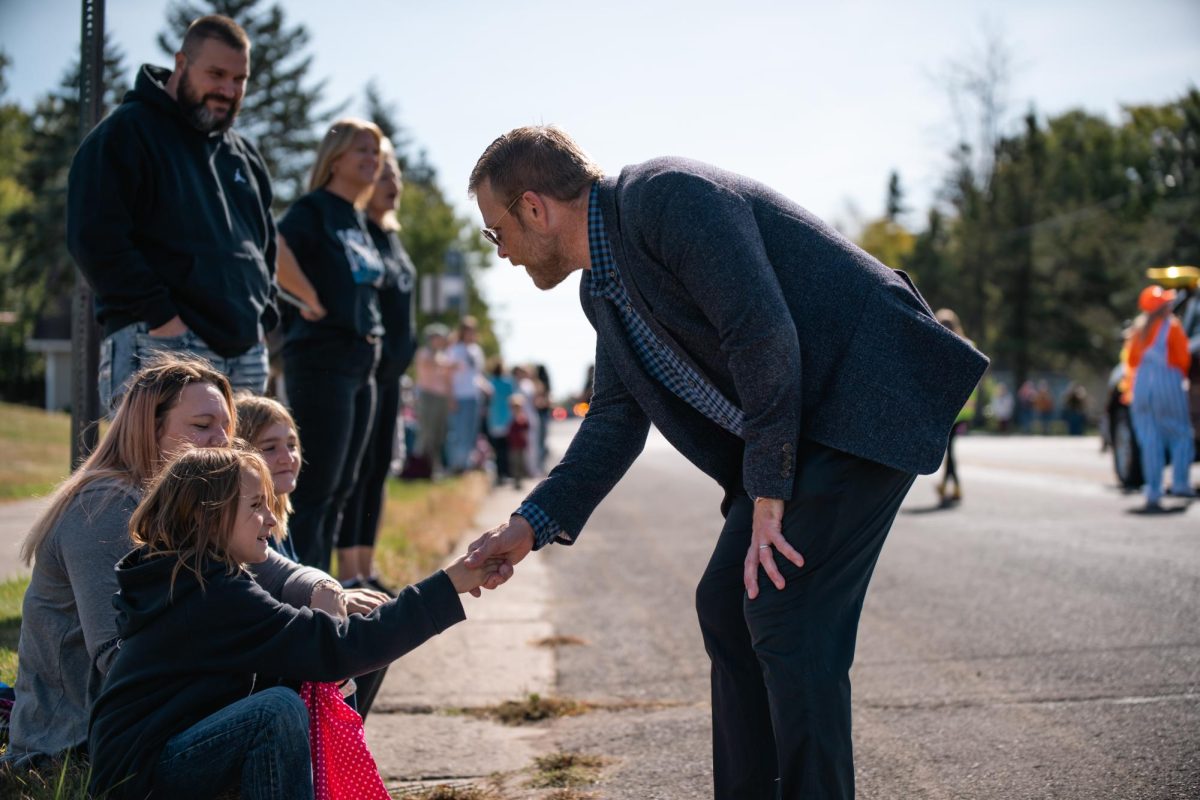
pixel 343 768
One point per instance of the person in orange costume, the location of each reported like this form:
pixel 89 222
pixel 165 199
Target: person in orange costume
pixel 1158 351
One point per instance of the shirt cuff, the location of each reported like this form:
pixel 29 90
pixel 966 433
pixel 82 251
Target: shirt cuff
pixel 545 529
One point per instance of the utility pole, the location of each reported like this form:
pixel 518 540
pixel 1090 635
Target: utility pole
pixel 85 333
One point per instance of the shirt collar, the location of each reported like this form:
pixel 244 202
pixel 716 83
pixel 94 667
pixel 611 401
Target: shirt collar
pixel 603 271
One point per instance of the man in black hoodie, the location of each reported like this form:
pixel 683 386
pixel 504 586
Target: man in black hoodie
pixel 169 217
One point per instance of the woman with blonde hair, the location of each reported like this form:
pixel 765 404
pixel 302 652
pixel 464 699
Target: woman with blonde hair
pixel 360 524
pixel 68 627
pixel 328 261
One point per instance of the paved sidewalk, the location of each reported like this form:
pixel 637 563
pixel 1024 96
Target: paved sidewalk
pixel 15 521
pixel 485 660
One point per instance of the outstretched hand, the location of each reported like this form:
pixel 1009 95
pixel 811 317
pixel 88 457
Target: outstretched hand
pixel 499 550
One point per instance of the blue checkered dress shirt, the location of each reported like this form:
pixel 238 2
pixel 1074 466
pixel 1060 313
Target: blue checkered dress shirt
pixel 603 280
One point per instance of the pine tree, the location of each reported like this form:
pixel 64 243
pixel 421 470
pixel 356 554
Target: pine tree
pixel 44 268
pixel 40 274
pixel 281 110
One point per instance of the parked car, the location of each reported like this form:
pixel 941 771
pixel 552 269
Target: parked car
pixel 1118 429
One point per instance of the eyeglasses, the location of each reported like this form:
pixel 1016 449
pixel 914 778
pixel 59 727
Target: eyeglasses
pixel 490 233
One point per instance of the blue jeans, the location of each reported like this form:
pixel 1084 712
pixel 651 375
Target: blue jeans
pixel 464 430
pixel 259 743
pixel 131 348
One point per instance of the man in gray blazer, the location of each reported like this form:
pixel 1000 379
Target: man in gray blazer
pixel 809 380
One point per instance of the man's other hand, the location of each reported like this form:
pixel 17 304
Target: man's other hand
pixel 499 550
pixel 172 327
pixel 765 540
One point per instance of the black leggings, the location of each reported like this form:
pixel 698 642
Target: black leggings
pixel 331 389
pixel 360 523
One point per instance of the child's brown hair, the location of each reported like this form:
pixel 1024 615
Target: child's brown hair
pixel 190 508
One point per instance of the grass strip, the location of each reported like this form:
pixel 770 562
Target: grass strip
pixel 35 451
pixel 565 771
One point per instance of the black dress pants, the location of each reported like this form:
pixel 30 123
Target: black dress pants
pixel 781 662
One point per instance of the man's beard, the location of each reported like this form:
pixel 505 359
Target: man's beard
pixel 197 112
pixel 547 263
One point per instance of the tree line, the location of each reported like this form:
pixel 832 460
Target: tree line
pixel 1041 235
pixel 284 113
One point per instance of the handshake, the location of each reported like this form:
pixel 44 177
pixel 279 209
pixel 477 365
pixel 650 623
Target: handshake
pixel 490 559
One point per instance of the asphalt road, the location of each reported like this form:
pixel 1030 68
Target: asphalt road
pixel 1037 641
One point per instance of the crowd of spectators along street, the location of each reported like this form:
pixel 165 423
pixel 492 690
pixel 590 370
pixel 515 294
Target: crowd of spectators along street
pixel 468 412
pixel 1034 409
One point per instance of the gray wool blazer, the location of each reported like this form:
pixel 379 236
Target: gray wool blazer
pixel 809 335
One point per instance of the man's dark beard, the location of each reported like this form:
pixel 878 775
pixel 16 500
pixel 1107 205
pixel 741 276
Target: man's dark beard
pixel 196 110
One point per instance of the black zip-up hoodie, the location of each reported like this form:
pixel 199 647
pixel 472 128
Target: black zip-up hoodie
pixel 165 220
pixel 187 657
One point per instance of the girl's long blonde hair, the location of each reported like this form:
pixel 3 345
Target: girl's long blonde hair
pixel 190 509
pixel 337 142
pixel 254 415
pixel 129 451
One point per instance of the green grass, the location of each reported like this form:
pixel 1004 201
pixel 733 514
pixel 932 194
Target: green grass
pixel 67 780
pixel 35 450
pixel 565 770
pixel 422 522
pixel 11 594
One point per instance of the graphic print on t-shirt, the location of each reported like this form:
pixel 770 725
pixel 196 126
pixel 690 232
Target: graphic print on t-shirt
pixel 365 264
pixel 405 277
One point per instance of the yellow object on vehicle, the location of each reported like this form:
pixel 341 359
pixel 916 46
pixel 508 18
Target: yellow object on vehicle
pixel 1175 276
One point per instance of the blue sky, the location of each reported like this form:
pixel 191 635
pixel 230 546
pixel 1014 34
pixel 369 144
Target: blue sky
pixel 819 100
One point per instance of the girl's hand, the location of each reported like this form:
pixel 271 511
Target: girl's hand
pixel 469 579
pixel 364 601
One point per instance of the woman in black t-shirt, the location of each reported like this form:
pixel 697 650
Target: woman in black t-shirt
pixel 332 332
pixel 356 539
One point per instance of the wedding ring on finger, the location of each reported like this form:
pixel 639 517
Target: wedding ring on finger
pixel 764 547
